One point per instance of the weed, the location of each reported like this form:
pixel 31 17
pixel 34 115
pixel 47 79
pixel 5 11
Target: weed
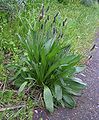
pixel 48 66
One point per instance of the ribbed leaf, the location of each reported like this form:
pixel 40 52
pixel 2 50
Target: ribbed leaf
pixel 70 61
pixel 53 52
pixel 58 92
pixel 74 84
pixel 68 72
pixel 48 45
pixel 16 74
pixel 71 91
pixel 48 99
pixel 60 63
pixel 36 70
pixel 52 68
pixel 79 69
pixel 69 100
pixel 78 80
pixel 62 103
pixel 43 66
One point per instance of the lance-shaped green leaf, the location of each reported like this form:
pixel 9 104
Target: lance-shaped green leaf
pixel 69 100
pixel 48 99
pixel 58 92
pixel 79 69
pixel 78 80
pixel 22 87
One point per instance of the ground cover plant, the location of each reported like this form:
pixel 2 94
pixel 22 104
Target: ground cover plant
pixel 16 51
pixel 85 2
pixel 80 25
pixel 48 66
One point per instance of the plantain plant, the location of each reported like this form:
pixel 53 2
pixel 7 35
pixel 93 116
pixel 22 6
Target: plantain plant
pixel 47 64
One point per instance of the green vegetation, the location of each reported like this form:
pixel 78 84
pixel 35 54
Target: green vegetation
pixel 85 2
pixel 38 60
pixel 48 65
pixel 81 25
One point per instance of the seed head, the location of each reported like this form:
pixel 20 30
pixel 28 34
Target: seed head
pixel 61 35
pixel 93 47
pixel 41 13
pixel 46 19
pixel 47 9
pixel 55 17
pixel 56 14
pixel 42 26
pixel 54 30
pixel 64 22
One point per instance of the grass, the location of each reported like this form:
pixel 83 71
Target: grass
pixel 10 99
pixel 82 23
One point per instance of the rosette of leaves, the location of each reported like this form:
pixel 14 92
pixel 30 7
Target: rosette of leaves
pixel 47 64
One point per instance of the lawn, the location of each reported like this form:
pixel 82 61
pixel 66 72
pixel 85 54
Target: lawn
pixel 82 23
pixel 81 26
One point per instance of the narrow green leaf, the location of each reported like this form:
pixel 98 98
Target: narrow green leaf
pixel 54 50
pixel 48 99
pixel 36 67
pixel 79 69
pixel 24 69
pixel 43 66
pixel 68 89
pixel 58 92
pixel 71 61
pixel 52 68
pixel 22 87
pixel 48 45
pixel 75 84
pixel 71 91
pixel 62 103
pixel 16 74
pixel 69 100
pixel 78 80
pixel 68 72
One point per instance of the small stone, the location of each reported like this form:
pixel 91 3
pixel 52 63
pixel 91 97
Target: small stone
pixel 97 105
pixel 82 74
pixel 36 111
